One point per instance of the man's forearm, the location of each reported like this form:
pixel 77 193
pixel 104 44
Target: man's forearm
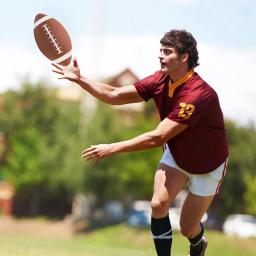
pixel 101 91
pixel 145 141
pixel 165 130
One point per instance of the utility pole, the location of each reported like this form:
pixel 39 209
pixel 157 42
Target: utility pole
pixel 96 35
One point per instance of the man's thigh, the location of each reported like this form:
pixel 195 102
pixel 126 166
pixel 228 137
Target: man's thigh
pixel 168 182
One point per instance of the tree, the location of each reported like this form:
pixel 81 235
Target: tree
pixel 250 194
pixel 25 166
pixel 237 195
pixel 44 139
pixel 42 146
pixel 122 175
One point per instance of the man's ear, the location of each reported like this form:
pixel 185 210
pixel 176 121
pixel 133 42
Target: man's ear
pixel 184 57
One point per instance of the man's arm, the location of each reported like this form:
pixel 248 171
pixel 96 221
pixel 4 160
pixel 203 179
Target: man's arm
pixel 109 94
pixel 166 130
pixel 104 92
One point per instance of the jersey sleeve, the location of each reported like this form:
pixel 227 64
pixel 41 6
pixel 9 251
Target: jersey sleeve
pixel 189 109
pixel 146 86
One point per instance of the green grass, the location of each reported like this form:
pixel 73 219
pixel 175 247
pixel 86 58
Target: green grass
pixel 118 241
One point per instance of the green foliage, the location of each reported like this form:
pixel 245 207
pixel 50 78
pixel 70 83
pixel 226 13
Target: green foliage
pixel 250 194
pixel 237 195
pixel 42 144
pixel 25 164
pixel 45 136
pixel 124 175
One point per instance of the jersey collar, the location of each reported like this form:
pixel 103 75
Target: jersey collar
pixel 182 80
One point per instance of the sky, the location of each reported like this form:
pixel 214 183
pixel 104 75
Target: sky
pixel 110 35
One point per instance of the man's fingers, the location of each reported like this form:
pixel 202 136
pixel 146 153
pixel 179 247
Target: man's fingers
pixel 89 154
pixel 57 71
pixel 92 153
pixel 75 63
pixel 87 150
pixel 57 66
pixel 88 158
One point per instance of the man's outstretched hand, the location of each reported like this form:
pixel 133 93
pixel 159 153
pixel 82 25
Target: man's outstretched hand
pixel 71 72
pixel 97 152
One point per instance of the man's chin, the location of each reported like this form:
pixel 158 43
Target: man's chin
pixel 164 71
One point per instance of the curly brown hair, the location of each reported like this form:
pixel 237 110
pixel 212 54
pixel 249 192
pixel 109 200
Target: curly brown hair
pixel 183 42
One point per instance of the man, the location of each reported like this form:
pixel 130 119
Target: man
pixel 191 131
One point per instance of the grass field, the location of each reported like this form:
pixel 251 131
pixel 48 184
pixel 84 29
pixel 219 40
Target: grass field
pixel 118 241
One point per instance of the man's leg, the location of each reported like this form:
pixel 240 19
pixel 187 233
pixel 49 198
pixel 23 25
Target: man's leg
pixel 167 184
pixel 193 210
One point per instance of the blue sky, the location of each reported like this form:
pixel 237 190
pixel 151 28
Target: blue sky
pixel 109 35
pixel 229 22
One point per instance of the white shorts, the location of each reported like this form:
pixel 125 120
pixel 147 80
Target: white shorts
pixel 199 184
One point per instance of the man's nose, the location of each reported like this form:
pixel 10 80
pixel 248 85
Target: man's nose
pixel 160 56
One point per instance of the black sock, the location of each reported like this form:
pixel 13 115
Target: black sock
pixel 162 235
pixel 196 244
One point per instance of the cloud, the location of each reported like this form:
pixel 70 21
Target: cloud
pixel 17 63
pixel 106 56
pixel 229 71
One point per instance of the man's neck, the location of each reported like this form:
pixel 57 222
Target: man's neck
pixel 178 74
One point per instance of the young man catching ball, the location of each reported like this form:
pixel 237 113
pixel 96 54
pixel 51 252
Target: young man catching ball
pixel 191 131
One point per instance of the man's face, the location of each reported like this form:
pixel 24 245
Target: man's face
pixel 170 60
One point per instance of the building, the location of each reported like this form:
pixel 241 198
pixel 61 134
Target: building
pixel 89 103
pixel 126 77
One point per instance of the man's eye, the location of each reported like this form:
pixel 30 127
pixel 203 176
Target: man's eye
pixel 166 51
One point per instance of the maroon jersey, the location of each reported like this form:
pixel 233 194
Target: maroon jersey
pixel 202 147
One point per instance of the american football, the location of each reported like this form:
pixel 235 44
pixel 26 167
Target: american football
pixel 52 39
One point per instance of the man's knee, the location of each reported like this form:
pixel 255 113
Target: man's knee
pixel 160 207
pixel 188 229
